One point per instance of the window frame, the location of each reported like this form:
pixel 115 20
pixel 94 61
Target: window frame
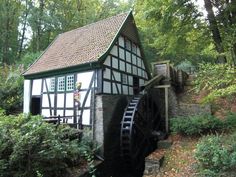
pixel 58 84
pixel 70 86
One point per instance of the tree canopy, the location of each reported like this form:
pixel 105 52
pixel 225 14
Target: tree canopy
pixel 172 29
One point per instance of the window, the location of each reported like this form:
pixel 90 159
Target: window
pixel 70 82
pixel 52 84
pixel 61 84
pixel 124 79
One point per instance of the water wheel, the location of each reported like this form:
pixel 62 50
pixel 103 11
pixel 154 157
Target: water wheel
pixel 141 118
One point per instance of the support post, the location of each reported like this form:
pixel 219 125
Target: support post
pixel 167 110
pixel 166 87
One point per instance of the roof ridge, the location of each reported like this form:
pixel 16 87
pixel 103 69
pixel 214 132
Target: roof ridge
pixel 90 24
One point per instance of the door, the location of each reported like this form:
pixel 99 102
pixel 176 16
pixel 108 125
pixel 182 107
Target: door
pixel 136 85
pixel 35 105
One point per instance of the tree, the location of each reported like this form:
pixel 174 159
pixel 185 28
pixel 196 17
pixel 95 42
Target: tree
pixel 173 30
pixel 222 22
pixel 215 30
pixel 9 19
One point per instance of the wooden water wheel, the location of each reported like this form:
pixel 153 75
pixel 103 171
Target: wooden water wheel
pixel 140 120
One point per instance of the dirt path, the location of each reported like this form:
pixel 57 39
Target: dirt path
pixel 179 159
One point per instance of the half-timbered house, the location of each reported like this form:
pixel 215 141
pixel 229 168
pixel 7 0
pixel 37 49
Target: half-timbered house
pixel 105 57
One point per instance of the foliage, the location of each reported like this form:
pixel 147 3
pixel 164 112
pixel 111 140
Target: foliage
pixel 174 30
pixel 29 58
pixel 31 147
pixel 196 125
pixel 11 88
pixel 186 66
pixel 217 79
pixel 216 154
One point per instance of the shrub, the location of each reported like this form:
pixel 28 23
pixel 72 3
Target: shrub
pixel 29 147
pixel 11 88
pixel 218 80
pixel 195 125
pixel 230 121
pixel 216 153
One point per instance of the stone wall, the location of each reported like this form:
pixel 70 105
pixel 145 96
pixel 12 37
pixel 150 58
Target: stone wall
pixel 109 110
pixel 193 109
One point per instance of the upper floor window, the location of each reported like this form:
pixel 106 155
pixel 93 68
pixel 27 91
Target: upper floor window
pixel 52 84
pixel 61 84
pixel 70 82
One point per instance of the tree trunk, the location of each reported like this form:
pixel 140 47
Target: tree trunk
pixel 23 29
pixel 39 28
pixel 6 40
pixel 215 30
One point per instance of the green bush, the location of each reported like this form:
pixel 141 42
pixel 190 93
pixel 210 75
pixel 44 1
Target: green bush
pixel 11 89
pixel 218 80
pixel 29 147
pixel 195 125
pixel 216 154
pixel 230 121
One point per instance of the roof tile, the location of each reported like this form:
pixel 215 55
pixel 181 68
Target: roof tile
pixel 79 46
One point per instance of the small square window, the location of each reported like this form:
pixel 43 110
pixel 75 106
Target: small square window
pixel 61 84
pixel 70 82
pixel 52 84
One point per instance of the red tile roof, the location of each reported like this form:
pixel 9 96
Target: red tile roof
pixel 79 46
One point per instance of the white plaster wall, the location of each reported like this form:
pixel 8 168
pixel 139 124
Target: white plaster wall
pixel 114 88
pixel 131 91
pixel 86 117
pixel 69 100
pixel 122 65
pixel 139 72
pixel 129 70
pixel 122 53
pixel 121 41
pixel 70 113
pixel 130 80
pixel 82 96
pixel 45 102
pixel 106 87
pixel 107 73
pixel 26 107
pixel 114 51
pixel 60 101
pixel 45 112
pixel 85 78
pixel 115 63
pixel 141 82
pixel 60 112
pixel 44 84
pixel 37 84
pixel 135 70
pixel 128 56
pixel 139 62
pixel 108 61
pixel 138 51
pixel 125 89
pixel 117 76
pixel 134 59
pixel 119 88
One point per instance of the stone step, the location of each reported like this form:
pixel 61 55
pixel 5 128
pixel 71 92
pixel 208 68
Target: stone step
pixel 153 162
pixel 164 144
